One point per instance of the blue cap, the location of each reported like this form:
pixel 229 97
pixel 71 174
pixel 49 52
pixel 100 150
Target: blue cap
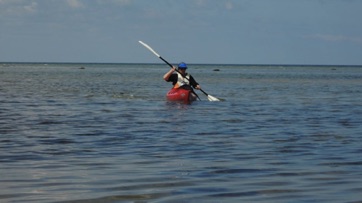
pixel 182 65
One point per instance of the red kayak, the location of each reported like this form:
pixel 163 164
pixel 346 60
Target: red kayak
pixel 181 95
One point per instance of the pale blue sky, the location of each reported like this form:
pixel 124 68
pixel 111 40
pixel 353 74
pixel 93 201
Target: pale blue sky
pixel 194 31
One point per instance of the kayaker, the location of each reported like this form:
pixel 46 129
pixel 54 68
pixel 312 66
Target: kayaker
pixel 181 79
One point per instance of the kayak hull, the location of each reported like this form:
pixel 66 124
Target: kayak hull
pixel 181 95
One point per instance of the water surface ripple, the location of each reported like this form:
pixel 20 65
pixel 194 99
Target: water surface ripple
pixel 105 133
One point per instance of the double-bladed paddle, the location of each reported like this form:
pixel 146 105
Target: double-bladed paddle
pixel 209 97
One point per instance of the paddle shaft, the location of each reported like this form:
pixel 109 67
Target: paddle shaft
pixel 211 98
pixel 165 61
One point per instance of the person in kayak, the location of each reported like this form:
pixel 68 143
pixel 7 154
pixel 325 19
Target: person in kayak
pixel 181 79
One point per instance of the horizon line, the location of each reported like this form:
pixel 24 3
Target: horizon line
pixel 209 64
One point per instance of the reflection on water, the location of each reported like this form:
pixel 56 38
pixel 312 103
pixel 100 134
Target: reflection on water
pixel 106 134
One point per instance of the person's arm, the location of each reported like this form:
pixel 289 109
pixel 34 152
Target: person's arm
pixel 169 73
pixel 194 83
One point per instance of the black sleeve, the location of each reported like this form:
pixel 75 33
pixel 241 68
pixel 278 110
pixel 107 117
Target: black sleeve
pixel 173 78
pixel 193 82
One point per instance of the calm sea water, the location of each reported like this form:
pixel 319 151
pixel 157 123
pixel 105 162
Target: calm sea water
pixel 105 133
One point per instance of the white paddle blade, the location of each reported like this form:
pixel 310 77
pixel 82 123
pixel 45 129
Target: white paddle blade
pixel 211 98
pixel 149 48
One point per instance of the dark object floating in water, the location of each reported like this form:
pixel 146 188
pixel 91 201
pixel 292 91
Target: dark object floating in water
pixel 82 67
pixel 216 69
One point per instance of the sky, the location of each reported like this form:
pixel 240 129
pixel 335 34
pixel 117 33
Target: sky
pixel 306 32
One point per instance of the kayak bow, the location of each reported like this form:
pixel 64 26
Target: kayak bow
pixel 182 95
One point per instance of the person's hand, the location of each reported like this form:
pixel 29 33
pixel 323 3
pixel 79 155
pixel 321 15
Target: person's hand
pixel 198 87
pixel 169 73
